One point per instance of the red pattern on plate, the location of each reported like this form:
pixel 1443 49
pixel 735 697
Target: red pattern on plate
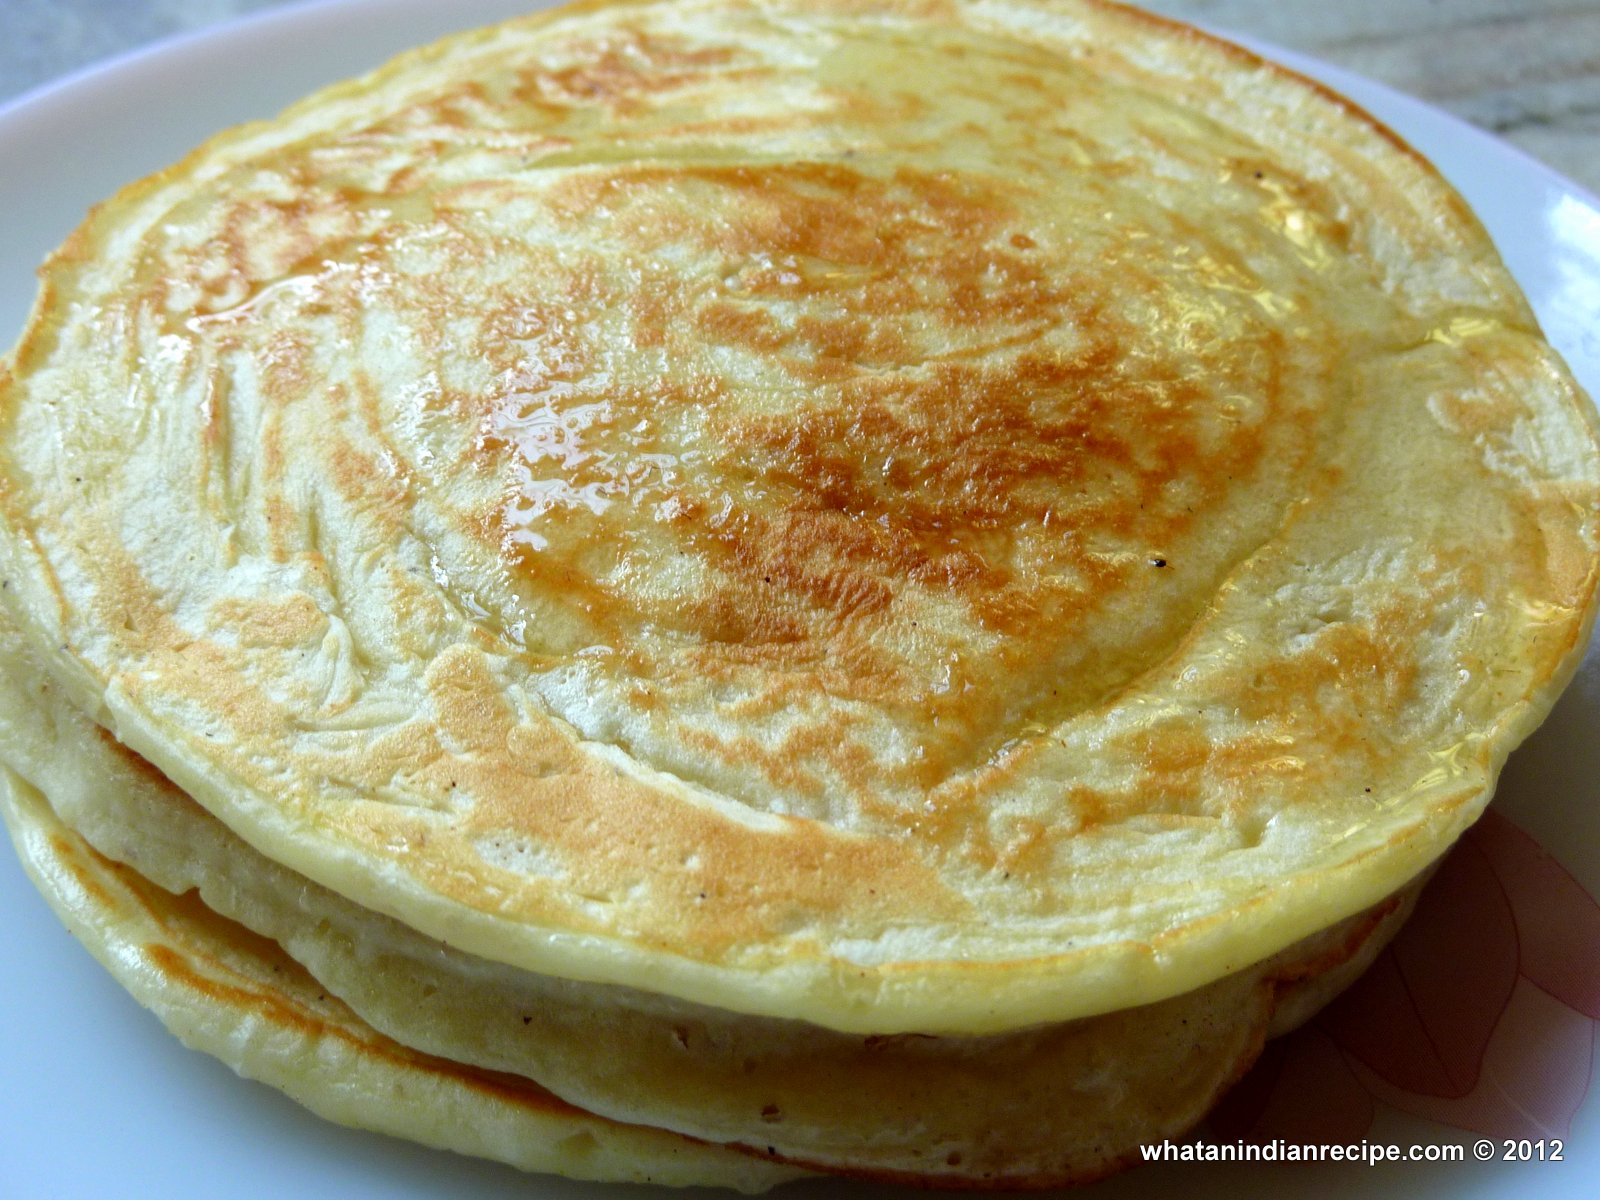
pixel 1480 1015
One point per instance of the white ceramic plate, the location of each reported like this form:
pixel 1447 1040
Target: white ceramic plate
pixel 97 1101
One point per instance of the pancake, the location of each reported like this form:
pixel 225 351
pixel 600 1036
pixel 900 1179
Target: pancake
pixel 665 497
pixel 239 998
pixel 1058 1104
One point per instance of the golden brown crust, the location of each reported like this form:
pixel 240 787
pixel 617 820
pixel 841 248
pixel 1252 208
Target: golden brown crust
pixel 661 496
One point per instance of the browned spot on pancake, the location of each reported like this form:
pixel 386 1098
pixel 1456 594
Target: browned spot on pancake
pixel 467 705
pixel 130 603
pixel 1348 671
pixel 66 854
pixel 630 66
pixel 723 321
pixel 1311 715
pixel 372 482
pixel 1028 852
pixel 818 231
pixel 292 621
pixel 1490 416
pixel 1567 565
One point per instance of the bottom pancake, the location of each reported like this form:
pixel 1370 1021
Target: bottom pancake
pixel 238 997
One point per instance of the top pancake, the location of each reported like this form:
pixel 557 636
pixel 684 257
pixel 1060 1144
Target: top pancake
pixel 928 516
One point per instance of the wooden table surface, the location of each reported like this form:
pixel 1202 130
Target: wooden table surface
pixel 1527 69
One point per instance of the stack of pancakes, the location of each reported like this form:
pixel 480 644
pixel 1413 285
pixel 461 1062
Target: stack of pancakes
pixel 703 591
